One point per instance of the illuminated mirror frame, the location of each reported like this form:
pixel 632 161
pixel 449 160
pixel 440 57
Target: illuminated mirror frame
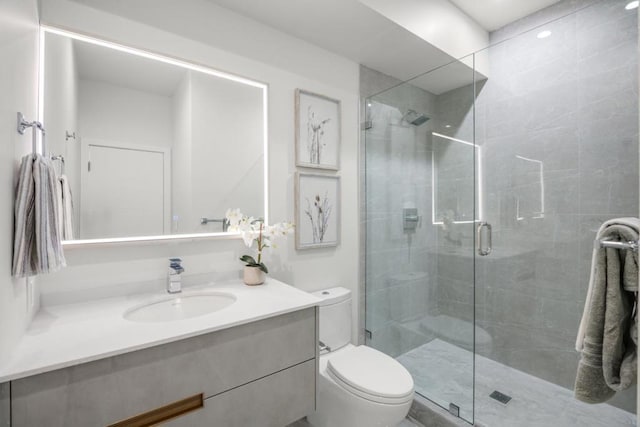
pixel 477 181
pixel 180 63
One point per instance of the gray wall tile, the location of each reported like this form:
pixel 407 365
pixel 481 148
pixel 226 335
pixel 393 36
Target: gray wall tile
pixel 570 102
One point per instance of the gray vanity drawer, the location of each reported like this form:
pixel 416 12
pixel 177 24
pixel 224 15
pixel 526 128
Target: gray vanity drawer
pixel 112 389
pixel 273 401
pixel 5 405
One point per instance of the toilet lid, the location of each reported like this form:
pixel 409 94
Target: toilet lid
pixel 372 375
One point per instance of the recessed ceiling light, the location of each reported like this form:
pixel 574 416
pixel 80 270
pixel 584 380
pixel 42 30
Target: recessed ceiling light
pixel 544 34
pixel 447 126
pixel 632 5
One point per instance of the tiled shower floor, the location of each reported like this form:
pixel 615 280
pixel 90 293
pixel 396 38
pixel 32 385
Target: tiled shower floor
pixel 442 369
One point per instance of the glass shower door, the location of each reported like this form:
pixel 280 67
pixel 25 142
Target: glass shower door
pixel 421 212
pixel 558 128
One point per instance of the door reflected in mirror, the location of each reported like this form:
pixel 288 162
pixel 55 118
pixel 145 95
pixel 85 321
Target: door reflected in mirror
pixel 151 145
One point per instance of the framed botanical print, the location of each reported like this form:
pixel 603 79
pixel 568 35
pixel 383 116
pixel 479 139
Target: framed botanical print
pixel 317 131
pixel 317 210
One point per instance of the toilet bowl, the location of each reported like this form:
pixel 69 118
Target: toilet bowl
pixel 358 385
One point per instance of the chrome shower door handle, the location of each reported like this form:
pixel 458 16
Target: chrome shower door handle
pixel 484 250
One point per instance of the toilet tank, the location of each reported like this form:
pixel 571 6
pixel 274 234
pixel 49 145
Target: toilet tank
pixel 335 317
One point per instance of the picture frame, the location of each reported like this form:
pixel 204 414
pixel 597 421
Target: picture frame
pixel 317 214
pixel 318 131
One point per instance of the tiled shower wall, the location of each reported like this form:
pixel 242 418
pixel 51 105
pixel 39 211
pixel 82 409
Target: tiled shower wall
pixel 398 268
pixel 557 115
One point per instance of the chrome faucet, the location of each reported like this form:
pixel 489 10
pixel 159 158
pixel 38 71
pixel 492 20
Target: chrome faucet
pixel 174 280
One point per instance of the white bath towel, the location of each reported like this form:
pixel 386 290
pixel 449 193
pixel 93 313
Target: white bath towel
pixel 59 206
pixel 37 241
pixel 65 204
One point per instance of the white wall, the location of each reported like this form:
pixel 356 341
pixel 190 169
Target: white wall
pixel 119 114
pixel 181 157
pixel 290 64
pixel 18 92
pixel 227 151
pixel 218 151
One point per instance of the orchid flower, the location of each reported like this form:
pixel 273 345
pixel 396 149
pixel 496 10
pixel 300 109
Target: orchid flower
pixel 233 217
pixel 253 230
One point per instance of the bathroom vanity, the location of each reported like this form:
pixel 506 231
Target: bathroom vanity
pixel 253 363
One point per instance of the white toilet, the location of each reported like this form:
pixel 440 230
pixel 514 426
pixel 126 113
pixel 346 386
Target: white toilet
pixel 359 386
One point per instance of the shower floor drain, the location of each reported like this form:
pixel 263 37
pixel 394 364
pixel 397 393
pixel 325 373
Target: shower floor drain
pixel 500 397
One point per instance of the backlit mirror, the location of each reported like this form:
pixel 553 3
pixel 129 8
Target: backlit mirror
pixel 149 145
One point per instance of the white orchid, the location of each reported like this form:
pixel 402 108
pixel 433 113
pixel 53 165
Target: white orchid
pixel 254 230
pixel 233 217
pixel 281 229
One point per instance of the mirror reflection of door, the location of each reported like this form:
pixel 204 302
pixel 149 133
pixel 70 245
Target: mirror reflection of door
pixel 124 191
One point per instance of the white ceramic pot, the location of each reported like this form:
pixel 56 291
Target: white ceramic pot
pixel 253 276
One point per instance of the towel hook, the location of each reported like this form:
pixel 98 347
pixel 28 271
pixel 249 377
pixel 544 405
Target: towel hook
pixel 62 165
pixel 23 124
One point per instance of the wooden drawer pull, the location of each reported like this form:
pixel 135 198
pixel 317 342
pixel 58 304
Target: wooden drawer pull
pixel 163 413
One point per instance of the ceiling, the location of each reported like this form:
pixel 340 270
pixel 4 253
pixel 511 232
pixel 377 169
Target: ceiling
pixel 350 29
pixel 494 14
pixel 353 30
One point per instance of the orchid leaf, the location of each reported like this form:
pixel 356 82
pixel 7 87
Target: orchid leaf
pixel 249 260
pixel 263 267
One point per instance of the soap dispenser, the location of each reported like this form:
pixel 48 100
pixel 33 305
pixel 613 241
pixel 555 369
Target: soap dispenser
pixel 174 280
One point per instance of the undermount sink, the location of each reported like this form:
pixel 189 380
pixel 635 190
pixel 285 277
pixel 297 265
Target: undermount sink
pixel 178 307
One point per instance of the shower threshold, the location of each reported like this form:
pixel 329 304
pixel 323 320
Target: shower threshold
pixel 443 373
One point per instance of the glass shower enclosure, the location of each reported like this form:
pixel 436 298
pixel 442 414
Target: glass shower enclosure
pixel 484 187
pixel 421 216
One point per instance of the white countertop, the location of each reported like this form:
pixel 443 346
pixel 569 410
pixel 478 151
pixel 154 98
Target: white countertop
pixel 67 335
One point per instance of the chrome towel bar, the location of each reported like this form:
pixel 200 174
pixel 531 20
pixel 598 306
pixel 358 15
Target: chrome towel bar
pixel 618 245
pixel 224 221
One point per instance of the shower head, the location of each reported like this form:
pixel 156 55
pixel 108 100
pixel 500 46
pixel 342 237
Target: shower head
pixel 414 118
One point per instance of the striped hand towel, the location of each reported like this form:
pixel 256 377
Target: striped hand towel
pixel 37 241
